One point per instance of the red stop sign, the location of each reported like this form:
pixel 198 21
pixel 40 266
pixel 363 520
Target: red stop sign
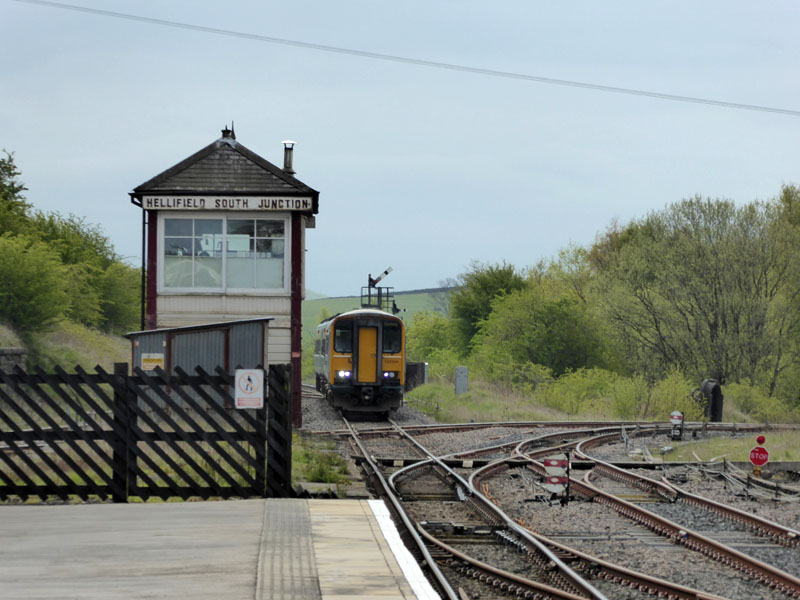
pixel 759 456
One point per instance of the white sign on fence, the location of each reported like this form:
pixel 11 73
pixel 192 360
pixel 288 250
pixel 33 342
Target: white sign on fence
pixel 249 384
pixel 152 360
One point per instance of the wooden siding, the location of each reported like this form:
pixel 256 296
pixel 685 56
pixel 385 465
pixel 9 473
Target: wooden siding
pixel 187 310
pixel 279 347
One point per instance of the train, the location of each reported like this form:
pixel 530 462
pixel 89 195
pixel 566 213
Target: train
pixel 360 361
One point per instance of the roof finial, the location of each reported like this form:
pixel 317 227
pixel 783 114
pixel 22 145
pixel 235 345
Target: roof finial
pixel 229 133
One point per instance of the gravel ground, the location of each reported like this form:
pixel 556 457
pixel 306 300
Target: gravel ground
pixel 598 530
pixel 590 527
pixel 695 482
pixel 442 443
pixel 459 513
pixel 712 525
pixel 735 535
pixel 706 483
pixel 318 415
pixel 446 443
pixel 617 452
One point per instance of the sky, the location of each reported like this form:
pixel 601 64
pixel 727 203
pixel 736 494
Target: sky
pixel 419 168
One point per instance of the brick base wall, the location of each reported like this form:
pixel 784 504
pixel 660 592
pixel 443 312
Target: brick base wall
pixel 12 357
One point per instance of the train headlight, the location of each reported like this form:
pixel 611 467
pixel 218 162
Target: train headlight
pixel 389 374
pixel 343 374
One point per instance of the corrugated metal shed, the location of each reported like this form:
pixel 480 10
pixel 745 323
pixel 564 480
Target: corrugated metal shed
pixel 229 344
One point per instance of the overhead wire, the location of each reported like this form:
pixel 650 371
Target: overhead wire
pixel 416 61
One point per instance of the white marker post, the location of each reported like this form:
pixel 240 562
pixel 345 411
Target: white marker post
pixel 557 479
pixel 676 420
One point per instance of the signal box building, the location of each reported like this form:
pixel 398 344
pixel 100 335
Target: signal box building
pixel 223 239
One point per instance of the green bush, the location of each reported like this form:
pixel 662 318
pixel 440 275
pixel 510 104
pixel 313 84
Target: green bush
pixel 628 396
pixel 427 333
pixel 544 326
pixel 442 365
pixel 584 390
pixel 748 398
pixel 669 394
pixel 34 285
pixel 500 369
pixel 120 297
pixel 755 402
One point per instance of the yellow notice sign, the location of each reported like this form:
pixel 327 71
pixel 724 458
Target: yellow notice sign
pixel 151 361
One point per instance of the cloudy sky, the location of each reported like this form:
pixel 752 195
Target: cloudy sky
pixel 420 168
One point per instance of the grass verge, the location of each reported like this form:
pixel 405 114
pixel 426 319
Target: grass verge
pixel 782 446
pixel 481 403
pixel 317 461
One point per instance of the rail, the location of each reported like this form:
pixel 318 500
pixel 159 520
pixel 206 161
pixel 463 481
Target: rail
pixel 495 514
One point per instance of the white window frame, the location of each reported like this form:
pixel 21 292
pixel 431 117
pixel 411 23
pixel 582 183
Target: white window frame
pixel 224 216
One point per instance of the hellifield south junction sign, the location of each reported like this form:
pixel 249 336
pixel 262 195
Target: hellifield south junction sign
pixel 224 203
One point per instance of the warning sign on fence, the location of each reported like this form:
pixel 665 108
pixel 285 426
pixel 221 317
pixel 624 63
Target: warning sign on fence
pixel 249 385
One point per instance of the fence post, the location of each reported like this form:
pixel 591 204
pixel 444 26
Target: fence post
pixel 132 440
pixel 279 432
pixel 121 419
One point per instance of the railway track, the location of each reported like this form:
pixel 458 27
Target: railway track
pixel 446 487
pixel 554 579
pixel 644 493
pixel 463 496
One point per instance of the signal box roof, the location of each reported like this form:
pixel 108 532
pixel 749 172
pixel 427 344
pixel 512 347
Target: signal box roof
pixel 226 167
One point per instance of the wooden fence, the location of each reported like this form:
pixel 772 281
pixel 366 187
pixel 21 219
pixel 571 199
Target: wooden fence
pixel 150 434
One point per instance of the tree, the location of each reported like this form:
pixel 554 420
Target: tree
pixel 703 286
pixel 33 284
pixel 429 332
pixel 13 208
pixel 573 268
pixel 545 327
pixel 440 296
pixel 101 290
pixel 120 297
pixel 471 303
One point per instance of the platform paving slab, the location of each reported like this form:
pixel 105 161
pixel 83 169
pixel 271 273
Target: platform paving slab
pixel 248 549
pixel 110 551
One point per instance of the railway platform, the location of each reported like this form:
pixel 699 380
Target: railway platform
pixel 248 549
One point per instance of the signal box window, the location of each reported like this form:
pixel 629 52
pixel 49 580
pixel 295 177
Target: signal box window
pixel 193 253
pixel 392 338
pixel 254 253
pixel 224 254
pixel 343 337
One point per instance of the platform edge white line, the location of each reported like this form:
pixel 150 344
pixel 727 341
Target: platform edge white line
pixel 413 574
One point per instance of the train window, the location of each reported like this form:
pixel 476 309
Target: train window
pixel 392 338
pixel 343 337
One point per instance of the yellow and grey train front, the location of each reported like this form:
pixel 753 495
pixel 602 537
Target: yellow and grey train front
pixel 360 362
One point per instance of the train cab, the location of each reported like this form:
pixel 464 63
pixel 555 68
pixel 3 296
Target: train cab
pixel 359 360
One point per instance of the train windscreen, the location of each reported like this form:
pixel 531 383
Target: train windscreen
pixel 343 337
pixel 392 338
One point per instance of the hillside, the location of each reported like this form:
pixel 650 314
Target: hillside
pixel 410 303
pixel 68 344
